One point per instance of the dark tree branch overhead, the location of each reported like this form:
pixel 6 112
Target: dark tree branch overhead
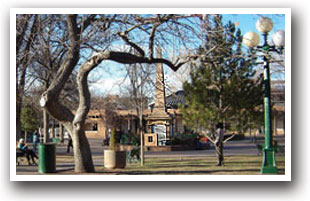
pixel 128 58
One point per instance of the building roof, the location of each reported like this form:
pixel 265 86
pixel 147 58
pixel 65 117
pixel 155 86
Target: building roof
pixel 175 99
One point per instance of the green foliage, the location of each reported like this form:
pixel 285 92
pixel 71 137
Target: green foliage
pixel 222 86
pixel 184 139
pixel 29 120
pixel 134 139
pixel 130 139
pixel 124 139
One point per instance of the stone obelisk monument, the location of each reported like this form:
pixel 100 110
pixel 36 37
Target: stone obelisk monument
pixel 158 122
pixel 159 109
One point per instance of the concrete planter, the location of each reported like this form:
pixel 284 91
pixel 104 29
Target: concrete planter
pixel 114 159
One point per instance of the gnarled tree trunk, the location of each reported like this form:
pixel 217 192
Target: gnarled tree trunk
pixel 82 153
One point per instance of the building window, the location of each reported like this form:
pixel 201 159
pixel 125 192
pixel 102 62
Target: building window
pixel 150 139
pixel 93 117
pixel 95 127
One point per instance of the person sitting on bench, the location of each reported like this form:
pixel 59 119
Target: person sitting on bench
pixel 28 152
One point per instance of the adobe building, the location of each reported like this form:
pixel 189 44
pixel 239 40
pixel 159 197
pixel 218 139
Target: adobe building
pixel 97 125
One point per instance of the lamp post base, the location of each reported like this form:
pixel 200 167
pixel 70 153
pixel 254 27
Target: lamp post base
pixel 269 163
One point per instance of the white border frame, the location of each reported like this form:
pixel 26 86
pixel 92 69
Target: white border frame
pixel 285 177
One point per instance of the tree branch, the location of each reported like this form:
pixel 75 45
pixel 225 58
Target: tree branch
pixel 87 22
pixel 49 99
pixel 151 41
pixel 128 58
pixel 229 138
pixel 134 45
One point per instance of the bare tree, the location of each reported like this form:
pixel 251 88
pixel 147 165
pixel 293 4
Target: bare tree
pixel 26 30
pixel 140 79
pixel 152 26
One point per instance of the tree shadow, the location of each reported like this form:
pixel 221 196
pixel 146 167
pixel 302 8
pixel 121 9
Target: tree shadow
pixel 172 172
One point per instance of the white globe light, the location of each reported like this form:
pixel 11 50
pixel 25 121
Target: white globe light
pixel 278 38
pixel 250 39
pixel 42 102
pixel 264 24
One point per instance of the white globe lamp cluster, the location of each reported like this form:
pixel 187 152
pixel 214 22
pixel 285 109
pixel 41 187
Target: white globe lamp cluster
pixel 264 25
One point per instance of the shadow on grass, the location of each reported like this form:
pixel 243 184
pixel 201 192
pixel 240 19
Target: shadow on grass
pixel 255 171
pixel 183 165
pixel 171 172
pixel 69 168
pixel 189 172
pixel 65 170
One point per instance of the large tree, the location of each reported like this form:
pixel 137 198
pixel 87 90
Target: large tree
pixel 222 87
pixel 26 32
pixel 141 32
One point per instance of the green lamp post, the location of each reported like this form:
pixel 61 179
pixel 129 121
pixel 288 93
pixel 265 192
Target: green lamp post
pixel 251 40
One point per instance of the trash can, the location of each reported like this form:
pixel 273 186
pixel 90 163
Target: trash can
pixel 47 158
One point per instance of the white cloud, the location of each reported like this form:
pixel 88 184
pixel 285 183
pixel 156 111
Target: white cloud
pixel 175 80
pixel 108 85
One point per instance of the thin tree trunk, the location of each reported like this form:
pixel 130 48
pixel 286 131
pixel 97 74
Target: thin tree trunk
pixel 18 122
pixel 275 124
pixel 61 132
pixel 141 125
pixel 20 95
pixel 26 136
pixel 53 129
pixel 142 141
pixel 46 134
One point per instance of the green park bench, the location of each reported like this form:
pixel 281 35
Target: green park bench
pixel 134 155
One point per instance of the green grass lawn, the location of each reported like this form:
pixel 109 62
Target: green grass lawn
pixel 233 165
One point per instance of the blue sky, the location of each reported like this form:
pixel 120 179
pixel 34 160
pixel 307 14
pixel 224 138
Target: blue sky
pixel 248 21
pixel 107 80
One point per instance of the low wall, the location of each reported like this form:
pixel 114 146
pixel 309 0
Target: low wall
pixel 159 148
pixel 169 148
